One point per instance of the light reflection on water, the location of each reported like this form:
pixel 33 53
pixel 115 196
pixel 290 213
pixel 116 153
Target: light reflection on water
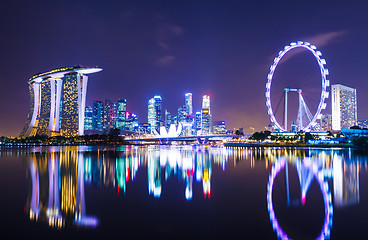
pixel 57 177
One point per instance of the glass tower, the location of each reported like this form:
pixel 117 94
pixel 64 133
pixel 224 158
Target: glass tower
pixel 154 113
pixel 120 114
pixel 88 116
pixel 188 103
pixel 97 116
pixel 344 107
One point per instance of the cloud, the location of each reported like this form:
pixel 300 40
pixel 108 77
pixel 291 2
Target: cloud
pixel 319 41
pixel 165 61
pixel 166 33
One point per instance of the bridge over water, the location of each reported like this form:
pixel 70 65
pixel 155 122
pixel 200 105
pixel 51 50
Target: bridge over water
pixel 203 139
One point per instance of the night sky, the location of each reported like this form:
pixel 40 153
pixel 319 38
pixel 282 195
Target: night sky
pixel 221 48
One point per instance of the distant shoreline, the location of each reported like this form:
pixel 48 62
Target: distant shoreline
pixel 296 145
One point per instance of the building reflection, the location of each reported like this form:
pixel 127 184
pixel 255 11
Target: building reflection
pixel 56 189
pixel 57 176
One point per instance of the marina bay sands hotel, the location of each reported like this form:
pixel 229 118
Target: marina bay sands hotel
pixel 57 103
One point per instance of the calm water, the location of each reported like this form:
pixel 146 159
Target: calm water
pixel 172 192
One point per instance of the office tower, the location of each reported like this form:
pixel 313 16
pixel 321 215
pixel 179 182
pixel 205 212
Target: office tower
pixel 168 119
pixel 120 114
pixel 206 102
pixel 88 116
pixel 57 102
pixel 206 115
pixel 363 122
pixel 326 122
pixel 109 115
pixel 97 116
pixel 198 123
pixel 188 103
pixel 188 126
pixel 182 114
pixel 219 127
pixel 131 122
pixel 154 113
pixel 344 107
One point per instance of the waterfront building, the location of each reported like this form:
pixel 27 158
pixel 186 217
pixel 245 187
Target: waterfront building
pixel 363 122
pixel 57 104
pixel 131 122
pixel 182 114
pixel 109 115
pixel 219 127
pixel 168 119
pixel 206 115
pixel 144 128
pixel 206 122
pixel 344 107
pixel 120 114
pixel 188 103
pixel 97 115
pixel 88 116
pixel 154 112
pixel 326 122
pixel 198 123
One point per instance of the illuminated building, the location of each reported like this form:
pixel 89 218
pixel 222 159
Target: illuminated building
pixel 219 127
pixel 97 117
pixel 131 122
pixel 188 103
pixel 154 112
pixel 169 119
pixel 57 102
pixel 363 123
pixel 326 122
pixel 144 128
pixel 120 114
pixel 344 107
pixel 109 115
pixel 198 123
pixel 206 115
pixel 182 114
pixel 206 102
pixel 88 116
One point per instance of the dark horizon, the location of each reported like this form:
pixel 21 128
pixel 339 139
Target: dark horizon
pixel 168 48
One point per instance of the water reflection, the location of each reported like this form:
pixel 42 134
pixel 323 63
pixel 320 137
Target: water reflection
pixel 56 192
pixel 57 177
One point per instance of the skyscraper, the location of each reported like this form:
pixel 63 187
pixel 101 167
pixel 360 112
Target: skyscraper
pixel 120 114
pixel 206 115
pixel 198 123
pixel 109 115
pixel 57 103
pixel 188 103
pixel 97 116
pixel 154 112
pixel 344 107
pixel 219 127
pixel 326 122
pixel 88 116
pixel 206 102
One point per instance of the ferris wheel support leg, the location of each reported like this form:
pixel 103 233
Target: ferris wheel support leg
pixel 285 117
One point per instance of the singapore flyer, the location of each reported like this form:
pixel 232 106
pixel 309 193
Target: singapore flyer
pixel 306 119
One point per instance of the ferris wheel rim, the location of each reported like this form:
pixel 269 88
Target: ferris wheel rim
pixel 325 83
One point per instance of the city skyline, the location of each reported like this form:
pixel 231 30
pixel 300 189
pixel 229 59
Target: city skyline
pixel 223 49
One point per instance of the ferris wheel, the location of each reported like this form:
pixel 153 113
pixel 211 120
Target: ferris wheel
pixel 306 120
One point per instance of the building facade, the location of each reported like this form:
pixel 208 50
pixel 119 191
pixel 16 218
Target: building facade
pixel 120 114
pixel 97 116
pixel 57 103
pixel 154 113
pixel 206 115
pixel 88 116
pixel 109 115
pixel 344 107
pixel 188 103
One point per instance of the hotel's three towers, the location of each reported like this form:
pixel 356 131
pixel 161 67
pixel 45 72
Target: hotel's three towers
pixel 57 103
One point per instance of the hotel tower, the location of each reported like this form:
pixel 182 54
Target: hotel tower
pixel 57 103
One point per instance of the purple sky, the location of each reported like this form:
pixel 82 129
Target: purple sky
pixel 221 48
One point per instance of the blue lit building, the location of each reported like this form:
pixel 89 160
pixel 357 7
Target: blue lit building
pixel 97 116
